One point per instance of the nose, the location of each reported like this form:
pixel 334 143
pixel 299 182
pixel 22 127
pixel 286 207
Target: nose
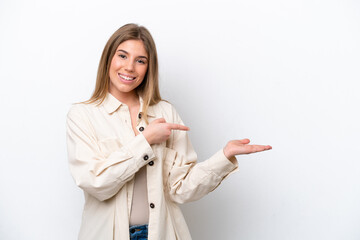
pixel 130 66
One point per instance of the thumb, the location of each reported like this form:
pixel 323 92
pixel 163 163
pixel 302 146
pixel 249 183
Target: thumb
pixel 159 120
pixel 244 141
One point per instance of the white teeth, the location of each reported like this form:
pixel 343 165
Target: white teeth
pixel 126 78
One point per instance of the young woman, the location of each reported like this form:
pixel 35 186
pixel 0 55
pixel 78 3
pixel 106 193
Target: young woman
pixel 130 153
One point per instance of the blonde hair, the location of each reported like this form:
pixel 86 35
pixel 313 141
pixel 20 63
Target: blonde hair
pixel 149 88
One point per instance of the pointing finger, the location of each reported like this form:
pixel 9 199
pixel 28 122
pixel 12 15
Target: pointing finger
pixel 175 126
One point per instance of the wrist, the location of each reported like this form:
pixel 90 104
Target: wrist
pixel 226 153
pixel 148 138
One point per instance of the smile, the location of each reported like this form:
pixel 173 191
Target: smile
pixel 126 78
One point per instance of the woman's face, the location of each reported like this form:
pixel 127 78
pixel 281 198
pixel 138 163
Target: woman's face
pixel 128 68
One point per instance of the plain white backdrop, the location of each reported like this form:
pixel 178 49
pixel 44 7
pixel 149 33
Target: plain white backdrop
pixel 284 73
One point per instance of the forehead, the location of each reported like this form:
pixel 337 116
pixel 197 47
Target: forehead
pixel 133 47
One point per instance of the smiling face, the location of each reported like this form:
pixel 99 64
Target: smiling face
pixel 128 68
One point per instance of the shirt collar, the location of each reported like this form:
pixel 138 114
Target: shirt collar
pixel 111 104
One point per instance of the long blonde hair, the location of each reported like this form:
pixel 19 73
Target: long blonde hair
pixel 149 88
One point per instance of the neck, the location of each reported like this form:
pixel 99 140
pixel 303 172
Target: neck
pixel 128 98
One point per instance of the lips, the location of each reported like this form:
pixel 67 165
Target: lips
pixel 126 78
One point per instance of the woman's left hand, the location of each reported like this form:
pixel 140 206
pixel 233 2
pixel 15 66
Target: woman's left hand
pixel 237 147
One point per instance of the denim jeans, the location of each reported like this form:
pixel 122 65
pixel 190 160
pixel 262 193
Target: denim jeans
pixel 139 232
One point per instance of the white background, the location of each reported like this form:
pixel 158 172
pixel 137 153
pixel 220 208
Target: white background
pixel 284 73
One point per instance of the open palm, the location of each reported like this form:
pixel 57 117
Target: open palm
pixel 237 147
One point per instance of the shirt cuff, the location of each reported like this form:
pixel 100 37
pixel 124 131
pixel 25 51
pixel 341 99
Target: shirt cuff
pixel 141 150
pixel 220 165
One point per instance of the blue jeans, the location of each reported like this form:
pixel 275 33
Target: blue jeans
pixel 139 232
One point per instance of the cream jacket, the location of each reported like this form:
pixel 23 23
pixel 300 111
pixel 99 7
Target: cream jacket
pixel 104 154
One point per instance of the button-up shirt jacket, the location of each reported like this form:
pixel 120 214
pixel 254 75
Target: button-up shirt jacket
pixel 104 155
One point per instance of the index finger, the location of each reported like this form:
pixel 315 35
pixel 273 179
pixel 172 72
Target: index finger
pixel 174 126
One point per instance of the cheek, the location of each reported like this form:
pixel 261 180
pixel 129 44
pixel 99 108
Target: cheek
pixel 114 65
pixel 143 71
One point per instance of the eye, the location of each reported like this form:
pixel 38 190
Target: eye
pixel 122 56
pixel 141 61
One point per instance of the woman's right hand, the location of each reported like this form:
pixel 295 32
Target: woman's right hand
pixel 159 130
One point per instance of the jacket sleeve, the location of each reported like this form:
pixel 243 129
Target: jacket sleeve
pixel 101 175
pixel 188 180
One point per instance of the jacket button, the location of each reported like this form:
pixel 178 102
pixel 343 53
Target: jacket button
pixel 152 205
pixel 151 163
pixel 141 129
pixel 146 157
pixel 139 115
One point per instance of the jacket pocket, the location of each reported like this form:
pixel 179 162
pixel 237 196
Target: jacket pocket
pixel 109 145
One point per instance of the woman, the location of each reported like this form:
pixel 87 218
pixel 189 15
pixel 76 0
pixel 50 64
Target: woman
pixel 129 150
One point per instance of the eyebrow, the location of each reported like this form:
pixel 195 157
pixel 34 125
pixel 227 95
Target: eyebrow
pixel 120 50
